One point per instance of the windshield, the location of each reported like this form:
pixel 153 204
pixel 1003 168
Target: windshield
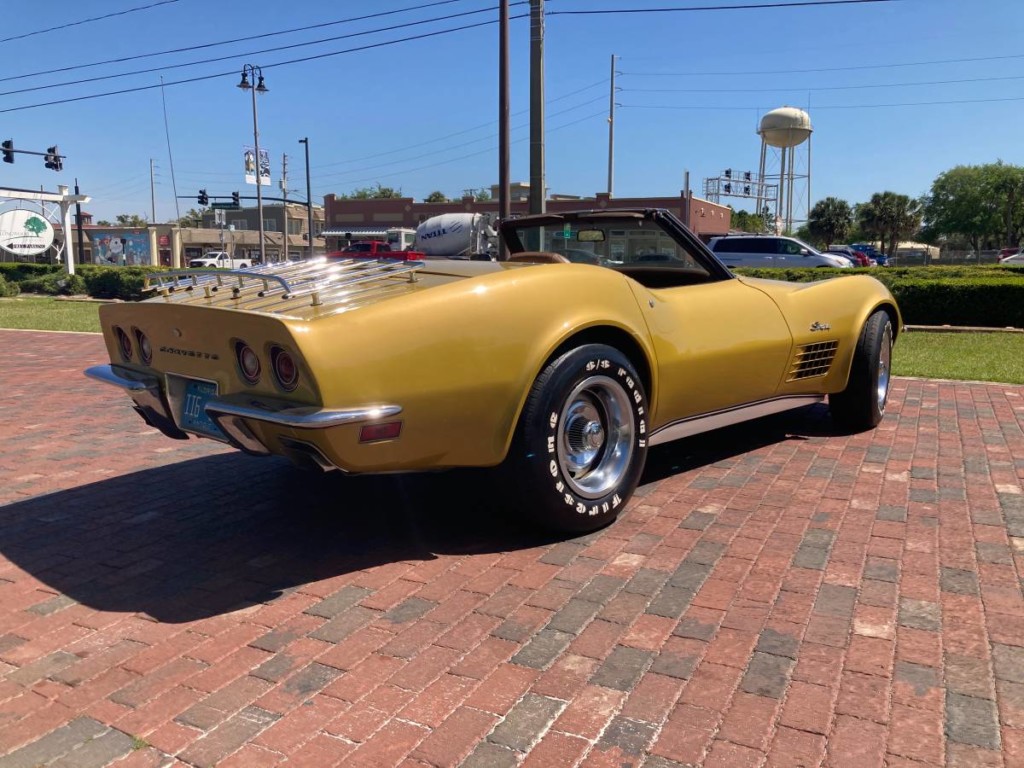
pixel 606 241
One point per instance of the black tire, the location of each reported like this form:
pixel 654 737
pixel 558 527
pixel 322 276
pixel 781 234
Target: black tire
pixel 581 442
pixel 861 405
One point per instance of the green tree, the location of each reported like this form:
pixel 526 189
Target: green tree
pixel 130 220
pixel 437 196
pixel 982 204
pixel 745 221
pixel 889 218
pixel 830 220
pixel 192 218
pixel 377 192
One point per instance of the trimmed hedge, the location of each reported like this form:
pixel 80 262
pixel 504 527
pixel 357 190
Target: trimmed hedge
pixel 985 296
pixel 989 297
pixel 123 283
pixel 8 289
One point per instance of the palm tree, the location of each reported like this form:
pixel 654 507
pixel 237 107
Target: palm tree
pixel 830 220
pixel 890 217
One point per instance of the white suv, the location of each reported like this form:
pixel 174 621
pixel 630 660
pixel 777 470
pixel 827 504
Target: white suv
pixel 771 251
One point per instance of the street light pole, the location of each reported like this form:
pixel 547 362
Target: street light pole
pixel 245 85
pixel 309 199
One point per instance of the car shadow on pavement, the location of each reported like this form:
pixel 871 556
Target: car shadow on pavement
pixel 206 536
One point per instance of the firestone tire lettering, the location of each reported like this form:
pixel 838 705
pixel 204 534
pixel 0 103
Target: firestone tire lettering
pixel 582 440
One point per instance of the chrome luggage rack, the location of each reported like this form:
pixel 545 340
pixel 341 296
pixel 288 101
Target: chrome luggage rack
pixel 280 287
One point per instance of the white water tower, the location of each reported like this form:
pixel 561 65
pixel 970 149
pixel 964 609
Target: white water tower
pixel 784 130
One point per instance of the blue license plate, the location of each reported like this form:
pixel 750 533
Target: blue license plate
pixel 193 409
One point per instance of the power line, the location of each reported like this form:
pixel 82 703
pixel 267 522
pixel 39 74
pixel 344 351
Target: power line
pixel 824 87
pixel 826 69
pixel 753 108
pixel 199 78
pixel 247 54
pixel 87 21
pixel 247 38
pixel 460 146
pixel 602 113
pixel 462 132
pixel 745 7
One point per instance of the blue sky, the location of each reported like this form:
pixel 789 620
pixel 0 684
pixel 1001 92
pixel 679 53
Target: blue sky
pixel 421 115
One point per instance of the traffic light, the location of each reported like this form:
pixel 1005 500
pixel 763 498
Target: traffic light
pixel 235 199
pixel 53 159
pixel 746 189
pixel 204 199
pixel 8 151
pixel 728 188
pixel 728 173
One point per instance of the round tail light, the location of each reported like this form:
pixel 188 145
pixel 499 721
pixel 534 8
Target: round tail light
pixel 248 362
pixel 145 347
pixel 285 369
pixel 124 342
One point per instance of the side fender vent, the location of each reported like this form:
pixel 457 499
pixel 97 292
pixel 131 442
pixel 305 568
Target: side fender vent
pixel 813 360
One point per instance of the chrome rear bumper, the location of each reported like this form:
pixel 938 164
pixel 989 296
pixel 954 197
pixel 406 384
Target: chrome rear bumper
pixel 232 412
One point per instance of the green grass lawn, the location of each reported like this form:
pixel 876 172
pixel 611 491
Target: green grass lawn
pixel 42 313
pixel 976 356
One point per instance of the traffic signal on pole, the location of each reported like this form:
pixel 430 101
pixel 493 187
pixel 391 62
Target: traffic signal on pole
pixel 53 159
pixel 235 199
pixel 204 199
pixel 8 151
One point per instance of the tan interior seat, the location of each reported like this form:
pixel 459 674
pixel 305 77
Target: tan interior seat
pixel 538 257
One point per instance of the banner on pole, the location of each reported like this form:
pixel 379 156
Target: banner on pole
pixel 249 157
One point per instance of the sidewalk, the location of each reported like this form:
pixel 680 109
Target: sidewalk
pixel 775 595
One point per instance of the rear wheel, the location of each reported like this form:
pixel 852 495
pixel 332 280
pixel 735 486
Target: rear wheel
pixel 581 442
pixel 862 404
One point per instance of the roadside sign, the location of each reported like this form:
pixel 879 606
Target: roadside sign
pixel 225 206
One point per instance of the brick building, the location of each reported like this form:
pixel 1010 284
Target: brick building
pixel 344 216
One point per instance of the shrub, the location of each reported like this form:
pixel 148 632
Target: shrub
pixel 54 284
pixel 989 297
pixel 8 289
pixel 116 282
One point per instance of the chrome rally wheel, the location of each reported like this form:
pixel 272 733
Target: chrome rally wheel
pixel 596 434
pixel 581 441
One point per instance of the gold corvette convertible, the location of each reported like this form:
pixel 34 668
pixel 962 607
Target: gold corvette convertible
pixel 603 333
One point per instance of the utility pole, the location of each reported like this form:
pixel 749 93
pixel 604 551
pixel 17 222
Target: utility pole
pixel 504 119
pixel 538 193
pixel 152 193
pixel 284 197
pixel 611 132
pixel 78 219
pixel 309 198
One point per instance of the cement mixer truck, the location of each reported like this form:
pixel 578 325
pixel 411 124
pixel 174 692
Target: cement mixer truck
pixel 457 236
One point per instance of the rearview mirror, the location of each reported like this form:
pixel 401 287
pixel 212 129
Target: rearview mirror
pixel 590 236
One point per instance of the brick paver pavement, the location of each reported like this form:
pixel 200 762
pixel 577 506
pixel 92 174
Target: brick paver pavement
pixel 775 595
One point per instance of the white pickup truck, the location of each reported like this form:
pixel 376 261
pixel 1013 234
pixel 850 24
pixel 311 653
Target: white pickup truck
pixel 220 259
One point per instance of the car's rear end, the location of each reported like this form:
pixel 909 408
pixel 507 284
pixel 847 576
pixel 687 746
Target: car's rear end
pixel 221 354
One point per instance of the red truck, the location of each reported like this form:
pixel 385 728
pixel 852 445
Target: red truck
pixel 375 249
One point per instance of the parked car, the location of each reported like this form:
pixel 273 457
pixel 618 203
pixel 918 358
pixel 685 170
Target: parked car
pixel 557 376
pixel 857 258
pixel 871 252
pixel 1008 252
pixel 1016 258
pixel 772 251
pixel 220 260
pixel 374 249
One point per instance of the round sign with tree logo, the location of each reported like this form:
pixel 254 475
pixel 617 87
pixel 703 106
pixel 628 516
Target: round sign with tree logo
pixel 25 233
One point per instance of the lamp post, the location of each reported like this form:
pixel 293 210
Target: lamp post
pixel 309 199
pixel 245 85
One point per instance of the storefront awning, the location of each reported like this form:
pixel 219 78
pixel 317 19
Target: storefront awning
pixel 356 232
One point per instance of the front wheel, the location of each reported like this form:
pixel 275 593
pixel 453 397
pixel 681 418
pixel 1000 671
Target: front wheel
pixel 862 404
pixel 581 441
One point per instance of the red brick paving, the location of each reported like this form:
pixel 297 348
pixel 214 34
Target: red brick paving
pixel 776 595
